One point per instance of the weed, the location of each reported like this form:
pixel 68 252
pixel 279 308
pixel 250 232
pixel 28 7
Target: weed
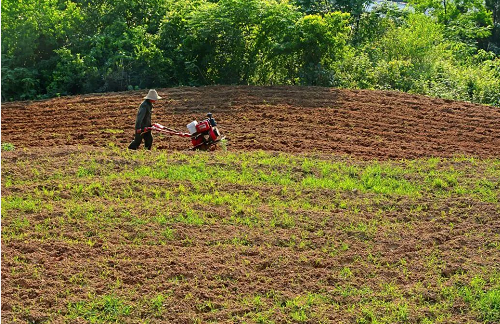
pixel 299 309
pixel 282 219
pixel 8 147
pixel 102 309
pixel 345 273
pixel 157 304
pixel 485 301
pixel 191 217
pixel 168 233
pixel 78 279
pixel 113 131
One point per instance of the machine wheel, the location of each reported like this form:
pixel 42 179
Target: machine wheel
pixel 206 146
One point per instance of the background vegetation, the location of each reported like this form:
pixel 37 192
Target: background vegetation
pixel 448 49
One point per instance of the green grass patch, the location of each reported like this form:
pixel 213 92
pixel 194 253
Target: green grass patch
pixel 309 238
pixel 483 298
pixel 100 309
pixel 8 147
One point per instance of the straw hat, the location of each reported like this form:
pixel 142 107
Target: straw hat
pixel 152 95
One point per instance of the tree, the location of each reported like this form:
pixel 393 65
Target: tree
pixel 218 41
pixel 468 21
pixel 374 24
pixel 319 41
pixel 408 53
pixel 276 62
pixel 31 32
pixel 494 7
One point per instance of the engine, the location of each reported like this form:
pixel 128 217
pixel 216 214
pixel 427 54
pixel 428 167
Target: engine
pixel 204 133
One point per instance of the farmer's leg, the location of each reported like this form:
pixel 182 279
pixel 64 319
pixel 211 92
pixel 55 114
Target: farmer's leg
pixel 148 140
pixel 136 142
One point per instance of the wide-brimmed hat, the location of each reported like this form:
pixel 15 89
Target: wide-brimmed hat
pixel 152 95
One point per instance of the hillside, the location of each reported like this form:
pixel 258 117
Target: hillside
pixel 362 123
pixel 328 206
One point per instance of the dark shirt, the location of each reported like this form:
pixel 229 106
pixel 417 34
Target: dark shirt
pixel 144 115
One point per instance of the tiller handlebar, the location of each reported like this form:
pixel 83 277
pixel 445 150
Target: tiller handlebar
pixel 166 130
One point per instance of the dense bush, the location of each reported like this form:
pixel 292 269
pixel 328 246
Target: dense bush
pixel 63 47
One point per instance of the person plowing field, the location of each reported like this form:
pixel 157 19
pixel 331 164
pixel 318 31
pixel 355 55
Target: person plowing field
pixel 204 135
pixel 143 122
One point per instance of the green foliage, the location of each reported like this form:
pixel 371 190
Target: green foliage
pixel 54 48
pixel 218 42
pixel 412 53
pixel 483 300
pixel 8 147
pixel 494 7
pixel 236 41
pixel 378 21
pixel 320 42
pixel 157 303
pixel 103 309
pixel 18 83
pixel 69 74
pixel 468 21
pixel 274 41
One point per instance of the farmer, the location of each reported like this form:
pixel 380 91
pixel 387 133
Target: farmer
pixel 143 120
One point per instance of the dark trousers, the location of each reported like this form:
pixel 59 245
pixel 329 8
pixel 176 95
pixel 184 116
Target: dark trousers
pixel 148 141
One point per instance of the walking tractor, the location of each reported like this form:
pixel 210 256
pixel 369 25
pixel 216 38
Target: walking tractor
pixel 204 134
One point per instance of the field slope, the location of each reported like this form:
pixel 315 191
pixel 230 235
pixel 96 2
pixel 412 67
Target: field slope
pixel 361 123
pixel 326 206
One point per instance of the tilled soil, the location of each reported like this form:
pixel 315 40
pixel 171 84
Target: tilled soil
pixel 361 123
pixel 71 259
pixel 101 254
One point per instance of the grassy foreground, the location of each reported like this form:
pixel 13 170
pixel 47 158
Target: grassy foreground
pixel 98 236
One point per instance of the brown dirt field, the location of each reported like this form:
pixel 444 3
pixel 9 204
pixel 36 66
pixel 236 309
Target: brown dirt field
pixel 411 252
pixel 72 239
pixel 361 123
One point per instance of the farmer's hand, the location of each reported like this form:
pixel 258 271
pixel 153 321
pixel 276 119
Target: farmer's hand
pixel 138 131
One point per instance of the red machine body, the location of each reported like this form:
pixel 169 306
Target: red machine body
pixel 204 135
pixel 196 141
pixel 203 126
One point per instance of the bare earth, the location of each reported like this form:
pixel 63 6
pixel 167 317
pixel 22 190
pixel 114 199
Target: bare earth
pixel 360 123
